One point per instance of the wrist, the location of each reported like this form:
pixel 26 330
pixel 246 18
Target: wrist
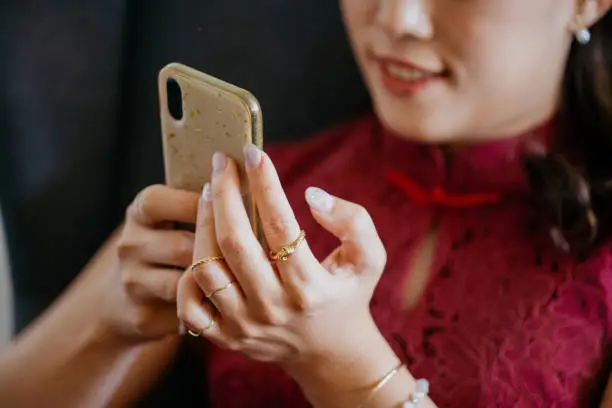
pixel 348 370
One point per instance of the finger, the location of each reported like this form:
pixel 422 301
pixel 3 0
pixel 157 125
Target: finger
pixel 242 251
pixel 157 204
pixel 278 221
pixel 159 247
pixel 215 275
pixel 195 314
pixel 151 283
pixel 352 225
pixel 152 322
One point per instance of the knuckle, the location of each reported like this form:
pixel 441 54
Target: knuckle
pixel 202 275
pixel 360 218
pixel 127 248
pixel 131 283
pixel 376 259
pixel 272 316
pixel 231 243
pixel 245 330
pixel 278 225
pixel 205 221
pixel 182 246
pixel 146 199
pixel 183 315
pixel 168 291
pixel 232 345
pixel 140 320
pixel 306 301
pixel 220 190
pixel 187 317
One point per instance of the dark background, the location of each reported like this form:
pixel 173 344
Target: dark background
pixel 79 131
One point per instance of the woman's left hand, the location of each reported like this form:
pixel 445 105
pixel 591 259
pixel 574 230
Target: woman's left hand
pixel 285 311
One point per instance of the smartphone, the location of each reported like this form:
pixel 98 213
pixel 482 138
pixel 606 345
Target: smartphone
pixel 200 115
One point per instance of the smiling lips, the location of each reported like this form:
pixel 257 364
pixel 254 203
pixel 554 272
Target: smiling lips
pixel 403 78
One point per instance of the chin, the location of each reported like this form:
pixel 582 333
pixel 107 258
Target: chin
pixel 415 126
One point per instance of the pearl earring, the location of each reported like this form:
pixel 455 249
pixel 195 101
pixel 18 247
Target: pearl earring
pixel 583 36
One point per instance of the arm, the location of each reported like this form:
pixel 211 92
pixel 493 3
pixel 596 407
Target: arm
pixel 606 402
pixel 346 378
pixel 67 359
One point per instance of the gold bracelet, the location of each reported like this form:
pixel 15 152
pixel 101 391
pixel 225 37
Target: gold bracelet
pixel 380 384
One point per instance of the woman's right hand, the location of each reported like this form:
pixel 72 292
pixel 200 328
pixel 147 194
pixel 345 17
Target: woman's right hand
pixel 152 256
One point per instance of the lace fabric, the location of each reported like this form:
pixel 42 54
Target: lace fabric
pixel 505 320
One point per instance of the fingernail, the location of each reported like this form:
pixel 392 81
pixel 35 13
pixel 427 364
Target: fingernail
pixel 219 162
pixel 207 193
pixel 319 199
pixel 252 156
pixel 181 329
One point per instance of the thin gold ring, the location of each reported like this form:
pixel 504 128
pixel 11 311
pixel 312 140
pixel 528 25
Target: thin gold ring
pixel 214 292
pixel 194 334
pixel 206 260
pixel 288 250
pixel 198 334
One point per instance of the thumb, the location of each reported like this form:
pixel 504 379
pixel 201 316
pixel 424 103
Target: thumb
pixel 352 225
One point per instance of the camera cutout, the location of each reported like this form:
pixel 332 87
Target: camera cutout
pixel 175 99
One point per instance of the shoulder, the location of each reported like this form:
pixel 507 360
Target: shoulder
pixel 298 158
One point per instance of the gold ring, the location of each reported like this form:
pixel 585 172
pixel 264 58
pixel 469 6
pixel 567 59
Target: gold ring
pixel 194 334
pixel 288 250
pixel 214 292
pixel 206 260
pixel 198 334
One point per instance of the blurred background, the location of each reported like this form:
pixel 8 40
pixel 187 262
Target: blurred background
pixel 79 121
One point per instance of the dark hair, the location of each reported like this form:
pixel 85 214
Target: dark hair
pixel 575 197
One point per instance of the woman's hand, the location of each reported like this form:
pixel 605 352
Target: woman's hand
pixel 289 311
pixel 151 258
pixel 96 345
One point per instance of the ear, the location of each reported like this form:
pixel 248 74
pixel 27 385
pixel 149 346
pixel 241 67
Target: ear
pixel 590 12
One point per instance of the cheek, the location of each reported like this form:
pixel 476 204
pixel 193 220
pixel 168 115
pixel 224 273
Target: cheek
pixel 504 62
pixel 358 15
pixel 487 38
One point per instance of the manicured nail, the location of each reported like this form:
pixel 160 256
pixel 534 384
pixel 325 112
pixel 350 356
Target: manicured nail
pixel 252 156
pixel 320 200
pixel 207 193
pixel 219 162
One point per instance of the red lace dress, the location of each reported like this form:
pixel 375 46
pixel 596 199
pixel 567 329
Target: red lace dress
pixel 505 321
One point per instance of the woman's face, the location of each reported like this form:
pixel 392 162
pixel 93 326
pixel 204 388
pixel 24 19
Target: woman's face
pixel 453 71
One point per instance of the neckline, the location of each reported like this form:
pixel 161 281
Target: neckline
pixel 480 174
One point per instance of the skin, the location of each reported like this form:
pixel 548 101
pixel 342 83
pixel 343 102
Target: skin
pixel 114 331
pixel 504 59
pixel 258 315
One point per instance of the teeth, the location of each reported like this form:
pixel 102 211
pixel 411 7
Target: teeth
pixel 407 74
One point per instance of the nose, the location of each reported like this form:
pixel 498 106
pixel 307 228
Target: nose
pixel 402 18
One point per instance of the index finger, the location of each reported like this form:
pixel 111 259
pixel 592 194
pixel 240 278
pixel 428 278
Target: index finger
pixel 277 218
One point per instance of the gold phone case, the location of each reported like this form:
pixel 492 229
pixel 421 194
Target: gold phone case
pixel 216 116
